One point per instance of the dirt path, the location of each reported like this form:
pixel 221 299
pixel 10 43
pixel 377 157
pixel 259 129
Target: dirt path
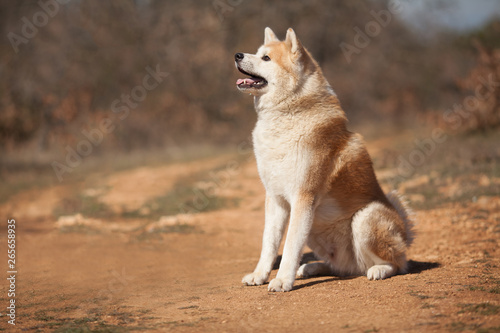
pixel 182 274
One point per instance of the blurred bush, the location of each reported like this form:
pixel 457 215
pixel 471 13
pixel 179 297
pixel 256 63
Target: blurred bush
pixel 483 83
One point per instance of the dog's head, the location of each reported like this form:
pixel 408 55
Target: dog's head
pixel 276 68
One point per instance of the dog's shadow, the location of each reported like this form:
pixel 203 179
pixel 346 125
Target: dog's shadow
pixel 414 267
pixel 306 257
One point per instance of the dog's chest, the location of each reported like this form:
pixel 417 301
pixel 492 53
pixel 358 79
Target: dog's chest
pixel 282 157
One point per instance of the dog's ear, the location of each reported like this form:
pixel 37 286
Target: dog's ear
pixel 292 42
pixel 269 36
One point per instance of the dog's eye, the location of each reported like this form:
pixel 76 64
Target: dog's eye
pixel 266 58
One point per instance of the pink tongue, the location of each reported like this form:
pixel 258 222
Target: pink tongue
pixel 245 81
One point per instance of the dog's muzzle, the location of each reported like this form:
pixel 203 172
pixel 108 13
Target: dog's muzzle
pixel 253 82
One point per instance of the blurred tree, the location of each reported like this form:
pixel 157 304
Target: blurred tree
pixel 482 106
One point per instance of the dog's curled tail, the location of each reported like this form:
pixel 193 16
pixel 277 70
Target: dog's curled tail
pixel 401 206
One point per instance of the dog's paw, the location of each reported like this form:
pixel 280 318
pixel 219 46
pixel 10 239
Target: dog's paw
pixel 303 272
pixel 254 279
pixel 314 269
pixel 280 285
pixel 379 272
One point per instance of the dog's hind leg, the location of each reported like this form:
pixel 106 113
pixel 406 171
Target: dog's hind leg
pixel 379 241
pixel 314 269
pixel 381 271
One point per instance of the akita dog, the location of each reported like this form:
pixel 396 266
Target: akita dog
pixel 318 176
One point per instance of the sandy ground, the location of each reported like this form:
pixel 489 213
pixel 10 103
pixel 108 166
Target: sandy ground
pixel 182 273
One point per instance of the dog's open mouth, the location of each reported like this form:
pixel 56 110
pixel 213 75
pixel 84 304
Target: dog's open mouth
pixel 254 81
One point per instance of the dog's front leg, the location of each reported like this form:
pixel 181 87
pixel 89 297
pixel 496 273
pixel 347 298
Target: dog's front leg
pixel 301 220
pixel 277 212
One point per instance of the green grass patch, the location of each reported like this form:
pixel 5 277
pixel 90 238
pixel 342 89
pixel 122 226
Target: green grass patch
pixel 418 294
pixel 19 177
pixel 428 306
pixel 189 307
pixel 79 229
pixel 88 206
pixel 489 330
pixel 458 326
pixel 42 315
pixel 494 290
pixel 371 330
pixel 469 191
pixel 459 160
pixel 94 322
pixel 146 236
pixel 101 327
pixel 191 195
pixel 476 288
pixel 177 323
pixel 485 309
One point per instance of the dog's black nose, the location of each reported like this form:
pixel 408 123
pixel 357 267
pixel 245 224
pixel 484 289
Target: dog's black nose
pixel 238 56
